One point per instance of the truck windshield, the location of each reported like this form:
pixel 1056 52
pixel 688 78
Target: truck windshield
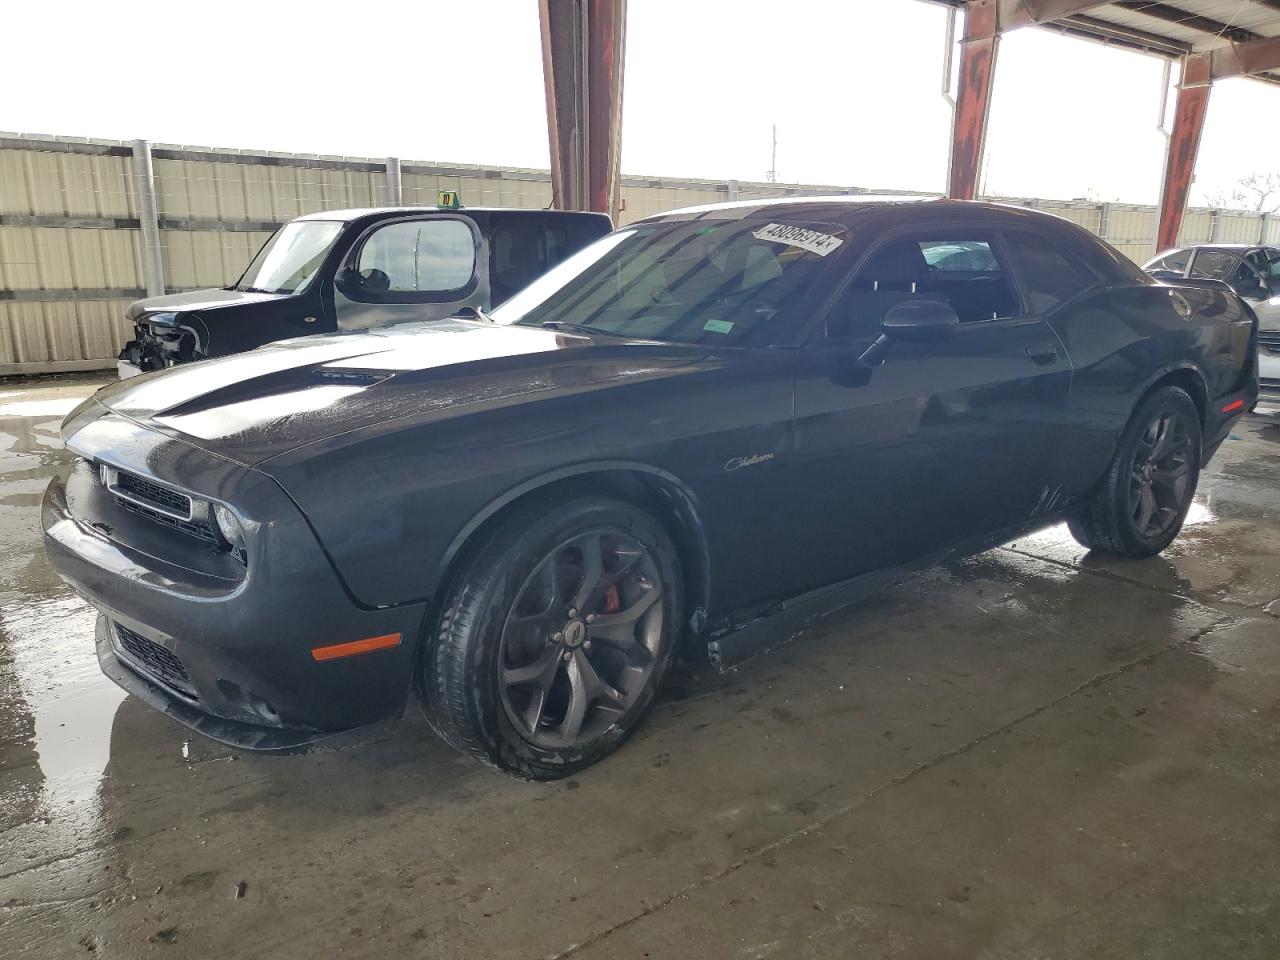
pixel 723 281
pixel 289 260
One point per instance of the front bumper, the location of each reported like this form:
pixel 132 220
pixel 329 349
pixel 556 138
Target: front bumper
pixel 229 657
pixel 245 736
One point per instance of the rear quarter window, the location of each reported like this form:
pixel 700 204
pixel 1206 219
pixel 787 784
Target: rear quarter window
pixel 1048 276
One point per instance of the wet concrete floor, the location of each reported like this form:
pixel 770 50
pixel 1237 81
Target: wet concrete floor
pixel 1032 753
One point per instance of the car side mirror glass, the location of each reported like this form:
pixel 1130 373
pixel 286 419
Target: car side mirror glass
pixel 919 320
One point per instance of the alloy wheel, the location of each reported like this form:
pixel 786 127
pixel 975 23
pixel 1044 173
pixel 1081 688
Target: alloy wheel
pixel 581 641
pixel 1160 476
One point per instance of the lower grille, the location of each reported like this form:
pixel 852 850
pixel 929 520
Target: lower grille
pixel 156 661
pixel 189 527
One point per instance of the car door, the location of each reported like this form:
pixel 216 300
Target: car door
pixel 410 268
pixel 941 441
pixel 1265 264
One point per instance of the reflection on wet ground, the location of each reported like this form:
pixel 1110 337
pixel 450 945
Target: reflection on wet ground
pixel 1033 752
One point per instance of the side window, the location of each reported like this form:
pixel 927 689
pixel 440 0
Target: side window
pixel 1273 263
pixel 418 256
pixel 964 272
pixel 1176 261
pixel 1048 277
pixel 523 248
pixel 1213 264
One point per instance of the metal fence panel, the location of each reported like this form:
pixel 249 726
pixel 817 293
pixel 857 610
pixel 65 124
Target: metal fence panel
pixel 70 247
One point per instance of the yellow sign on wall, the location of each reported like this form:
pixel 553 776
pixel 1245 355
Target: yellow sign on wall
pixel 449 198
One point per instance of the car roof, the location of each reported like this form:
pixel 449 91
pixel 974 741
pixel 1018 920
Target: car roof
pixel 357 213
pixel 841 207
pixel 1218 246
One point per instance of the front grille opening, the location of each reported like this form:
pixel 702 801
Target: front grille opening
pixel 155 661
pixel 190 527
pixel 152 494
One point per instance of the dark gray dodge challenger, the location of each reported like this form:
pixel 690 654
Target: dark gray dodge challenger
pixel 686 439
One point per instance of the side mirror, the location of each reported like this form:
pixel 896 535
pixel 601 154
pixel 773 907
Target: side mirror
pixel 920 320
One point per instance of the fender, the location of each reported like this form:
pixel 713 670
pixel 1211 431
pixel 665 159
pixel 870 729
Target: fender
pixel 690 509
pixel 1163 372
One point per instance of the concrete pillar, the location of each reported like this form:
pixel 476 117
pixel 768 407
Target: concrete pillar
pixel 734 189
pixel 1184 143
pixel 144 188
pixel 395 192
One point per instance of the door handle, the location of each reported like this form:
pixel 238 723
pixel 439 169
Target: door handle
pixel 1043 353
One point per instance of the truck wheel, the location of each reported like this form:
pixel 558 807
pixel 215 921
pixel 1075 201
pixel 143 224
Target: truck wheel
pixel 1140 504
pixel 553 637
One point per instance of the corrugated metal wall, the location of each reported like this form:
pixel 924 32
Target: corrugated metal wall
pixel 71 255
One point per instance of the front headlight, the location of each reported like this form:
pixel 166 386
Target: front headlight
pixel 163 319
pixel 231 531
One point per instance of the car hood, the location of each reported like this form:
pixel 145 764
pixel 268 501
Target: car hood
pixel 257 405
pixel 194 300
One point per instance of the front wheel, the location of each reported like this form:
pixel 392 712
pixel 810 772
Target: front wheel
pixel 1140 504
pixel 554 637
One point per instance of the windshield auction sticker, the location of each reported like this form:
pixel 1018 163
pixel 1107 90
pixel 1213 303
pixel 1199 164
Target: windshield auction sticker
pixel 812 240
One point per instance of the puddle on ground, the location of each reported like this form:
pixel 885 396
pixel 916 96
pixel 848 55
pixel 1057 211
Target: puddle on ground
pixel 68 702
pixel 58 407
pixel 55 704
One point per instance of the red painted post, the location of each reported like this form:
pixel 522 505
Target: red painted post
pixel 973 98
pixel 1184 144
pixel 583 45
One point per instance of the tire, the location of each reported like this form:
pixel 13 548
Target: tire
pixel 1119 517
pixel 515 675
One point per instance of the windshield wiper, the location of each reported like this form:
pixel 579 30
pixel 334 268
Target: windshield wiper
pixel 254 290
pixel 580 327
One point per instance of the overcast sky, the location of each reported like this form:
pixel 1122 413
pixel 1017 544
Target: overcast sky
pixel 853 87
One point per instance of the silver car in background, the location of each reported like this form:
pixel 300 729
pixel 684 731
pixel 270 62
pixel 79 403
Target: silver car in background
pixel 1252 271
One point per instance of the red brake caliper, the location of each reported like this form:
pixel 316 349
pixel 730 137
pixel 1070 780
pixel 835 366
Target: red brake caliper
pixel 612 602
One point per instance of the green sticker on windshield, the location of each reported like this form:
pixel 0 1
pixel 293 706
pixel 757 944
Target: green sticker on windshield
pixel 718 326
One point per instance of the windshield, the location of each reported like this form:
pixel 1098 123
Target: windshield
pixel 291 257
pixel 726 281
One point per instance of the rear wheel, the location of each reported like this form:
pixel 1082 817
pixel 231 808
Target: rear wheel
pixel 554 637
pixel 1139 507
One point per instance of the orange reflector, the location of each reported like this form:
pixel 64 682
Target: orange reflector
pixel 1233 405
pixel 355 647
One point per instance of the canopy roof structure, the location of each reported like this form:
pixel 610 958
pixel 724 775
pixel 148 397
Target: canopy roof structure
pixel 1242 36
pixel 583 44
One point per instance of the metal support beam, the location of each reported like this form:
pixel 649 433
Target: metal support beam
pixel 1243 59
pixel 1020 13
pixel 1184 143
pixel 973 98
pixel 395 190
pixel 582 59
pixel 144 188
